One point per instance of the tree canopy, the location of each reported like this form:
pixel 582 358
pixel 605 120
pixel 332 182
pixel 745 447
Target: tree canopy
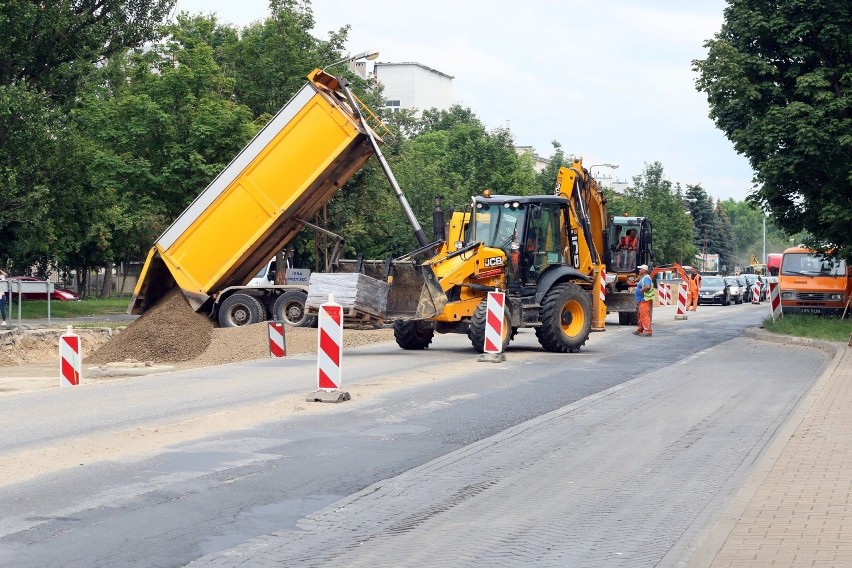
pixel 113 119
pixel 777 78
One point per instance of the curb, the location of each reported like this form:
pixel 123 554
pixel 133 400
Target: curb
pixel 716 536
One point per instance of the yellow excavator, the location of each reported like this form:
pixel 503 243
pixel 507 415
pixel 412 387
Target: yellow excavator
pixel 545 252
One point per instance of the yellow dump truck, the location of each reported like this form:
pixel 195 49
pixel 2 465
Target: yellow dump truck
pixel 257 204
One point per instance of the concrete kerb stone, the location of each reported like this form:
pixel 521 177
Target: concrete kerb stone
pixel 716 536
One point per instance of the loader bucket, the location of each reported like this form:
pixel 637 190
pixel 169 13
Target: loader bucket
pixel 415 292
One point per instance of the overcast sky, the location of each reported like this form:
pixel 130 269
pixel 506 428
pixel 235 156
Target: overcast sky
pixel 611 80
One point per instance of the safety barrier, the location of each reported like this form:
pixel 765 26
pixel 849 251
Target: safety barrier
pixel 277 341
pixel 70 359
pixel 329 354
pixel 775 300
pixel 495 310
pixel 755 293
pixel 681 303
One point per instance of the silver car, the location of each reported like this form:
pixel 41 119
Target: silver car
pixel 736 288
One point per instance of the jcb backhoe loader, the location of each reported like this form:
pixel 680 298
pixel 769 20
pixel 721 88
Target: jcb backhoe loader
pixel 544 251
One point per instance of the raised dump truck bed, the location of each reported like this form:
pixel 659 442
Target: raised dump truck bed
pixel 294 165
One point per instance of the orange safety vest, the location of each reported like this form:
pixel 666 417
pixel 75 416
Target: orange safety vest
pixel 694 281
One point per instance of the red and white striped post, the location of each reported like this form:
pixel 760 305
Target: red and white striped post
pixel 665 291
pixel 755 293
pixel 330 345
pixel 775 301
pixel 70 359
pixel 277 341
pixel 329 354
pixel 495 309
pixel 681 302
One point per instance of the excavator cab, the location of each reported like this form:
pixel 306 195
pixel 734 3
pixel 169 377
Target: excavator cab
pixel 629 245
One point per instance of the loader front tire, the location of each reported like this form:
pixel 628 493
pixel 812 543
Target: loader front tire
pixel 476 334
pixel 408 335
pixel 290 308
pixel 566 319
pixel 239 310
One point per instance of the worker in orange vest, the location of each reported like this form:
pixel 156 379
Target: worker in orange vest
pixel 694 287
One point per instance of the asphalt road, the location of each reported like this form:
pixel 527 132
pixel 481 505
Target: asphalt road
pixel 620 455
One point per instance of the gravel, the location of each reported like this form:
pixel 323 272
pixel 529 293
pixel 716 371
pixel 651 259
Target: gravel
pixel 171 332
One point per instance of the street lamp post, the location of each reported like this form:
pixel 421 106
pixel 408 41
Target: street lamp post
pixel 592 167
pixel 369 55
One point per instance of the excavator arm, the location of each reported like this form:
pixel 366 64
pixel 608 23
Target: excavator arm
pixel 673 266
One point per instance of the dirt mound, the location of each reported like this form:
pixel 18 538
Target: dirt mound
pixel 235 344
pixel 170 332
pixel 24 347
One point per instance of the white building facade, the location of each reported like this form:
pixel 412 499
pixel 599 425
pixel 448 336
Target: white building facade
pixel 414 86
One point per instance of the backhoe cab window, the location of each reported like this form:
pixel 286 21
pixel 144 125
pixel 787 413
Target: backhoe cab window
pixel 498 226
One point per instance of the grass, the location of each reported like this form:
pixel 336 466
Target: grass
pixel 812 326
pixel 37 309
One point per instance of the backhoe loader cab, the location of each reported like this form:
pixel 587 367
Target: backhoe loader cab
pixel 528 230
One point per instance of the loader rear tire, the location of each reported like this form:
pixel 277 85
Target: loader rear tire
pixel 239 310
pixel 566 319
pixel 290 308
pixel 476 334
pixel 408 335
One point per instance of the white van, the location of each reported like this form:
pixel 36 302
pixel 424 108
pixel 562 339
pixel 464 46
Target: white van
pixel 266 275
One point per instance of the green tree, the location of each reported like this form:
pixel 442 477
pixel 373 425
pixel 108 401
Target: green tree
pixel 451 155
pixel 48 50
pixel 747 232
pixel 273 57
pixel 52 45
pixel 725 247
pixel 777 81
pixel 151 134
pixel 546 179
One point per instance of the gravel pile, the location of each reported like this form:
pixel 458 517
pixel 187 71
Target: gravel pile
pixel 170 332
pixel 235 344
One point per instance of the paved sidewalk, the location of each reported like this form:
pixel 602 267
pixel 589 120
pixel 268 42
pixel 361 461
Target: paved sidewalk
pixel 796 509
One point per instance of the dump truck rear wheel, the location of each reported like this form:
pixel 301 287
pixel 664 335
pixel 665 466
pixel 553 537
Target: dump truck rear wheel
pixel 565 319
pixel 476 334
pixel 408 335
pixel 628 318
pixel 290 308
pixel 239 310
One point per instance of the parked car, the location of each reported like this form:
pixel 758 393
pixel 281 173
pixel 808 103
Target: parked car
pixel 737 289
pixel 59 293
pixel 745 288
pixel 714 290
